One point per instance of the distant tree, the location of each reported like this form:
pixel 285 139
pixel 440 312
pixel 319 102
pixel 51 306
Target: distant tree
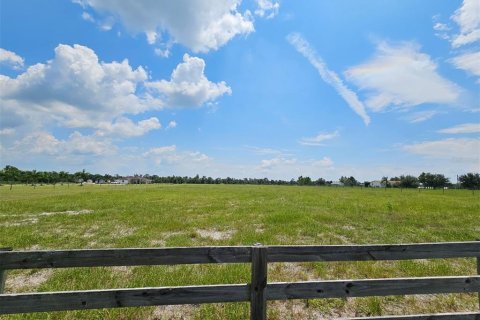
pixel 349 182
pixel 304 181
pixel 320 182
pixel 408 181
pixel 366 184
pixel 384 182
pixel 433 180
pixel 470 180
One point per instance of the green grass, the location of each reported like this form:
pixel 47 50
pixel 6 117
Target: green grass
pixel 197 215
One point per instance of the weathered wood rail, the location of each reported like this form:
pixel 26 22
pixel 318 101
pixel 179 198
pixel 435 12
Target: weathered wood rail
pixel 257 292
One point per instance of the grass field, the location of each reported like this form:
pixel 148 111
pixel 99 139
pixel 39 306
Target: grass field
pixel 103 216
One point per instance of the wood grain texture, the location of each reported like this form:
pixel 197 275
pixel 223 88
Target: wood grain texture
pixel 115 298
pixel 122 257
pixel 373 252
pixel 3 273
pixel 375 287
pixel 258 301
pixel 440 316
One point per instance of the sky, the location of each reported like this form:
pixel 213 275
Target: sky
pixel 231 88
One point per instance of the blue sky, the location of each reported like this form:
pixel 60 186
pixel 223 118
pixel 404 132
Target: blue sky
pixel 256 88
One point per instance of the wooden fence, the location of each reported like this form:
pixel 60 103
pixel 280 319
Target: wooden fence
pixel 257 292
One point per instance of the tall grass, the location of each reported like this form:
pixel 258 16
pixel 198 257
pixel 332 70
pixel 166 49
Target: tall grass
pixel 102 216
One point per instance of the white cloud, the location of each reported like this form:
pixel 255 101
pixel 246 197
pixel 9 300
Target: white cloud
pixel 43 143
pixel 330 77
pixel 463 128
pixel 11 59
pixel 468 19
pixel 75 89
pixel 469 62
pixel 441 27
pixel 87 17
pixel 200 25
pixel 7 131
pixel 402 76
pixel 170 155
pixel 284 167
pixel 269 163
pixel 319 139
pixel 267 8
pixel 189 86
pixel 124 127
pixel 462 149
pixel 172 124
pixel 422 116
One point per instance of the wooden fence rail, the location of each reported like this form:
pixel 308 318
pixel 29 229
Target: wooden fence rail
pixel 257 292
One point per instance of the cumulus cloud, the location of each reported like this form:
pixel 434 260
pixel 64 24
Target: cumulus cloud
pixel 46 144
pixel 469 62
pixel 330 77
pixel 461 149
pixel 75 89
pixel 201 25
pixel 319 138
pixel 463 128
pixel 403 76
pixel 467 18
pixel 189 86
pixel 11 59
pixel 267 8
pixel 124 127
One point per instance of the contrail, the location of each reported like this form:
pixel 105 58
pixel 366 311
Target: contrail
pixel 329 76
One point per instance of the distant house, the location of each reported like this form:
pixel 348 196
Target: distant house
pixel 394 183
pixel 337 184
pixel 139 180
pixel 120 181
pixel 377 184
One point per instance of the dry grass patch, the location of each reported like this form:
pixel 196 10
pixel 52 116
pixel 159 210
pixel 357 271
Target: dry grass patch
pixel 215 234
pixel 27 281
pixel 178 312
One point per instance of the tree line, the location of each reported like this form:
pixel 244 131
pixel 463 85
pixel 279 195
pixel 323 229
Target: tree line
pixel 12 175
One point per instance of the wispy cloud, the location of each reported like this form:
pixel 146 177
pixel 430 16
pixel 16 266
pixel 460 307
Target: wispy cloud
pixel 462 149
pixel 403 76
pixel 469 62
pixel 319 138
pixel 462 128
pixel 422 116
pixel 327 75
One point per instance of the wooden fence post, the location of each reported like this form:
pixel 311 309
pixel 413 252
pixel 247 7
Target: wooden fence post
pixel 258 301
pixel 478 272
pixel 3 273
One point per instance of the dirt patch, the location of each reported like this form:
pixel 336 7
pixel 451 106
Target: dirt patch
pixel 122 271
pixel 170 234
pixel 119 232
pixel 68 212
pixel 180 312
pixel 158 243
pixel 91 232
pixel 24 281
pixel 215 234
pixel 28 219
pixel 291 272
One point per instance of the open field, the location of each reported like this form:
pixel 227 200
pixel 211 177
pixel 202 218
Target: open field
pixel 102 216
